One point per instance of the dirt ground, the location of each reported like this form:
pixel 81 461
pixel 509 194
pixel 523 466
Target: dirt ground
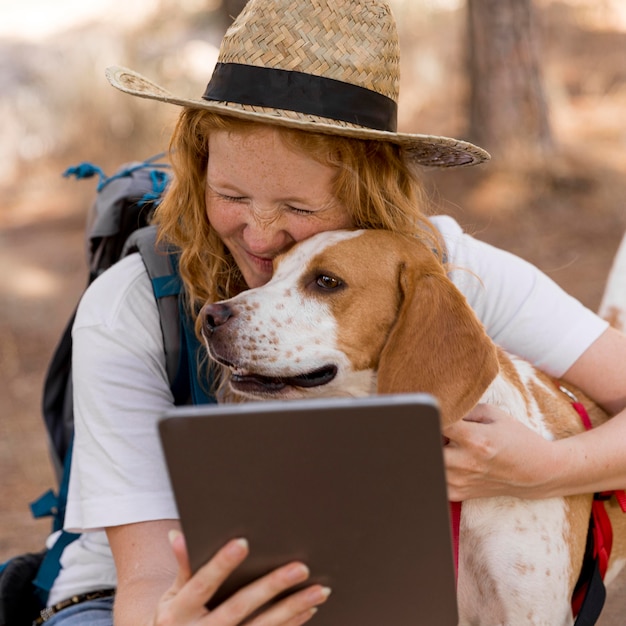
pixel 567 217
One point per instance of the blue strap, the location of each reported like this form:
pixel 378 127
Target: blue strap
pixel 45 505
pixel 87 170
pixel 55 505
pixel 192 349
pixel 164 286
pixel 159 183
pixel 51 504
pixel 133 168
pixel 187 375
pixel 51 565
pixel 59 518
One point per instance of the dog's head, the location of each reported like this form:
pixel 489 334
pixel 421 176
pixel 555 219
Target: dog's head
pixel 353 313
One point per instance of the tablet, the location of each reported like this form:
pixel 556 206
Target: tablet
pixel 354 488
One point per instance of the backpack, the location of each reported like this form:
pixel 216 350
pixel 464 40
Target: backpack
pixel 118 225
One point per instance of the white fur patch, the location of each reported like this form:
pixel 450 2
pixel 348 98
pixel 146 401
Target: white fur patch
pixel 505 395
pixel 294 262
pixel 511 544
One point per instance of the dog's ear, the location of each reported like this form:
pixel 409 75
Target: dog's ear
pixel 437 344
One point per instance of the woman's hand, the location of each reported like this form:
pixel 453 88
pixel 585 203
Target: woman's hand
pixel 184 603
pixel 489 453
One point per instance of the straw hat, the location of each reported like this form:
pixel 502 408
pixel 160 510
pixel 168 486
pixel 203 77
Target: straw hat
pixel 331 66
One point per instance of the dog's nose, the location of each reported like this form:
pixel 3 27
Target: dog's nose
pixel 215 315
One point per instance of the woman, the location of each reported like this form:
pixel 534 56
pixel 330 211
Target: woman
pixel 295 135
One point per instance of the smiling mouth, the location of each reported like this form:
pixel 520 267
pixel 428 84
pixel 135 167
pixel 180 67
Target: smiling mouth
pixel 272 384
pixel 264 262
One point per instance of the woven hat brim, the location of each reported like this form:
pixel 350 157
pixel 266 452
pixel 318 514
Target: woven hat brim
pixel 425 150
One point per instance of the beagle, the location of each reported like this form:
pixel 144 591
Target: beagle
pixel 337 320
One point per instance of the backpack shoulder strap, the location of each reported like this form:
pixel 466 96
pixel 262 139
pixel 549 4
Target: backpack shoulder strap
pixel 167 286
pixel 182 348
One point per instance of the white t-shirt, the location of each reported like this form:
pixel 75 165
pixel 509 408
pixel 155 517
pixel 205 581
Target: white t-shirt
pixel 121 389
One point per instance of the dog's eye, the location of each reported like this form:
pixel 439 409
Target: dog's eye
pixel 327 282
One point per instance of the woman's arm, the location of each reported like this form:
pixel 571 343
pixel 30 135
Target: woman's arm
pixel 146 568
pixel 595 460
pixel 490 453
pixel 601 371
pixel 155 586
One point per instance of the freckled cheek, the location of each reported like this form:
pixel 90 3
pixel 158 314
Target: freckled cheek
pixel 224 220
pixel 303 229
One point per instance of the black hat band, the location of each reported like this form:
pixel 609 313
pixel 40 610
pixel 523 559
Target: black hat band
pixel 304 93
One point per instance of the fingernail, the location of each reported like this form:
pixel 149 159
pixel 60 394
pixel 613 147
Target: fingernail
pixel 237 546
pixel 173 534
pixel 297 572
pixel 319 594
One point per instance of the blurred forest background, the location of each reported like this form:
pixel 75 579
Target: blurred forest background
pixel 557 199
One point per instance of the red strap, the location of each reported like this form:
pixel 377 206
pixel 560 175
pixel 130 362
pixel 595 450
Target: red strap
pixel 620 496
pixel 455 523
pixel 602 535
pixel 600 524
pixel 584 416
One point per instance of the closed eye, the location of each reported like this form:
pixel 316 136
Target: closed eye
pixel 297 211
pixel 231 198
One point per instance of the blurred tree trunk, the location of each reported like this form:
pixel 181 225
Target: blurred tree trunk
pixel 508 110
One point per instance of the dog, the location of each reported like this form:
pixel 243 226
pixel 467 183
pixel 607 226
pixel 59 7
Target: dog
pixel 352 313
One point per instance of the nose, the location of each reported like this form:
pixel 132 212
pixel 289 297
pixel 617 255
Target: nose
pixel 263 236
pixel 215 315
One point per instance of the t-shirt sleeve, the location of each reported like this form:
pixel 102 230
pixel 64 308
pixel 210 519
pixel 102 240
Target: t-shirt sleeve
pixel 523 310
pixel 121 389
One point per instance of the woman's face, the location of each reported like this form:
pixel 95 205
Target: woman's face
pixel 262 197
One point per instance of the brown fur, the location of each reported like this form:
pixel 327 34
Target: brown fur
pixel 432 347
